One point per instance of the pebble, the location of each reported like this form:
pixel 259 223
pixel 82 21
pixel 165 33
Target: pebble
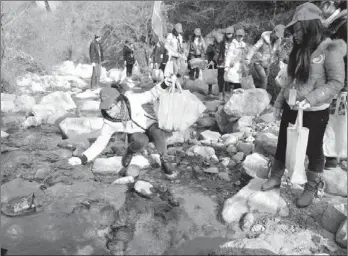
pixel 124 180
pixel 224 176
pixel 238 157
pixel 212 170
pixel 214 159
pixel 231 149
pixel 133 170
pixel 143 187
pixel 237 183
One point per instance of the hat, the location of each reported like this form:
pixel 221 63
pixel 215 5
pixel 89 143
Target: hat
pixel 229 30
pixel 108 96
pixel 96 36
pixel 240 32
pixel 279 30
pixel 178 27
pixel 197 32
pixel 306 11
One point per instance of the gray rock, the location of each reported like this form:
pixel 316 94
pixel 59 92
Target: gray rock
pixel 247 221
pixel 212 170
pixel 341 234
pixel 143 187
pixel 256 165
pixel 232 149
pixel 133 170
pixel 246 148
pixel 224 176
pixel 244 121
pixel 212 106
pixel 210 136
pixel 335 182
pixel 4 134
pixel 255 246
pixel 206 121
pixel 238 157
pixel 335 214
pixel 267 142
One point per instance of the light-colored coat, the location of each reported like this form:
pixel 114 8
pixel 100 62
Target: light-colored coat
pixel 138 114
pixel 326 78
pixel 174 45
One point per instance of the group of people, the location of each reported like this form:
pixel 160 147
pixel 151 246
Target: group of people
pixel 316 74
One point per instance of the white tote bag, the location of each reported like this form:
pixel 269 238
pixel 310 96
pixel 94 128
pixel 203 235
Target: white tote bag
pixel 296 147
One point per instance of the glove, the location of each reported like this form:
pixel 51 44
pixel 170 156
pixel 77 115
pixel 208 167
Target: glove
pixel 277 113
pixel 93 64
pixel 75 161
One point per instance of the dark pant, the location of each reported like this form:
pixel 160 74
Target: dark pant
pixel 96 75
pixel 223 86
pixel 194 72
pixel 153 134
pixel 316 122
pixel 236 86
pixel 260 75
pixel 129 68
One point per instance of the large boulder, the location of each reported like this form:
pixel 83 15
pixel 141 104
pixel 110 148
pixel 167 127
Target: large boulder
pixel 250 102
pixel 72 127
pixel 59 100
pixel 11 103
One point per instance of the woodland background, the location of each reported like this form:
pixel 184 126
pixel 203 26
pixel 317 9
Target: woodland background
pixel 37 35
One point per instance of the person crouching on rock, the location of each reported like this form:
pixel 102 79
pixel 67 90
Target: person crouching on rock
pixel 315 76
pixel 124 113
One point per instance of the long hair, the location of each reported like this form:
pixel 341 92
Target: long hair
pixel 300 56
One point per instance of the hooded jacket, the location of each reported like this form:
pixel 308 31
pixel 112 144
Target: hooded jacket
pixel 140 120
pixel 326 77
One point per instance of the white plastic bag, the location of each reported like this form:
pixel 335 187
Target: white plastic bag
pixel 210 75
pixel 335 137
pixel 178 109
pixel 136 70
pixel 296 147
pixel 233 74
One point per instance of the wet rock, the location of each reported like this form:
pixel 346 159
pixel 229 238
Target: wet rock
pixel 244 121
pixel 133 170
pixel 251 198
pixel 255 246
pixel 143 187
pixel 74 142
pixel 115 196
pixel 238 157
pixel 73 127
pixel 232 138
pixel 212 170
pixel 90 105
pixel 224 176
pixel 212 106
pixel 258 228
pixel 341 234
pixel 232 149
pixel 247 221
pixel 335 214
pixel 335 182
pixel 206 121
pixel 111 165
pixel 256 165
pixel 124 180
pixel 267 142
pixel 4 134
pixel 211 136
pixel 239 104
pixel 203 151
pixel 246 148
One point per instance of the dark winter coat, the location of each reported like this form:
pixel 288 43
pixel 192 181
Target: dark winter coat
pixel 96 52
pixel 158 54
pixel 196 49
pixel 128 54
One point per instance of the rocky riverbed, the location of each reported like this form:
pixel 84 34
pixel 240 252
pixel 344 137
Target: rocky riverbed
pixel 215 207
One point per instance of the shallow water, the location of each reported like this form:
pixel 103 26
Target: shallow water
pixel 44 234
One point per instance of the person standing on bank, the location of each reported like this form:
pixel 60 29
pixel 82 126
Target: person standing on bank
pixel 196 50
pixel 335 14
pixel 222 50
pixel 210 52
pixel 128 57
pixel 315 76
pixel 96 56
pixel 268 48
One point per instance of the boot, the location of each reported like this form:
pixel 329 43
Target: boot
pixel 274 180
pixel 167 168
pixel 311 189
pixel 127 157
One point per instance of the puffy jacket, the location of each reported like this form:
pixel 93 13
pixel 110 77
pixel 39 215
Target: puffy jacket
pixel 267 51
pixel 174 45
pixel 141 120
pixel 196 48
pixel 326 77
pixel 96 52
pixel 221 51
pixel 128 55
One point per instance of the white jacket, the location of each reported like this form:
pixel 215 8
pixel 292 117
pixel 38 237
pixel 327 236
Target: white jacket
pixel 138 114
pixel 234 61
pixel 173 44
